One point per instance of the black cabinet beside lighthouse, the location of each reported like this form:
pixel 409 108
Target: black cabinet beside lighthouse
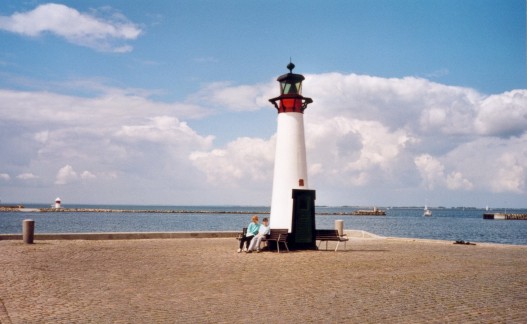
pixel 303 229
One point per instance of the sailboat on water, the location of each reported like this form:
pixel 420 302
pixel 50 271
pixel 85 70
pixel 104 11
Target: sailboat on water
pixel 427 212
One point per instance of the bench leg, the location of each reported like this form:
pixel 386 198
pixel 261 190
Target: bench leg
pixel 278 246
pixel 338 242
pixel 320 243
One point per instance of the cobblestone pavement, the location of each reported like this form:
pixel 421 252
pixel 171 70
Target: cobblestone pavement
pixel 205 281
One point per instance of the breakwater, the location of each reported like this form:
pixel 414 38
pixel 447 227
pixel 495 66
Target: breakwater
pixel 505 216
pixel 155 211
pixel 145 211
pixel 10 208
pixel 374 212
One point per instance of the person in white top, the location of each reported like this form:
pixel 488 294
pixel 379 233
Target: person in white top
pixel 262 232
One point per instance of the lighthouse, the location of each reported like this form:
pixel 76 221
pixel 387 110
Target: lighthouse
pixel 292 202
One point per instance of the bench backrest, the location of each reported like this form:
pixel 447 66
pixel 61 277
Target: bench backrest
pixel 278 234
pixel 242 234
pixel 327 233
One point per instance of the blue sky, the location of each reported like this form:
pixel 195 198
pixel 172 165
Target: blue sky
pixel 166 101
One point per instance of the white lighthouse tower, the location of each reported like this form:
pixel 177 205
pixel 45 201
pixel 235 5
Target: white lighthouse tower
pixel 290 168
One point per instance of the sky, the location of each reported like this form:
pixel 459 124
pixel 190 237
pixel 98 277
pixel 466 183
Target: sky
pixel 166 102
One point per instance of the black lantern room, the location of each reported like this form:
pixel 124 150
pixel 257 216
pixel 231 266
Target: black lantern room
pixel 291 99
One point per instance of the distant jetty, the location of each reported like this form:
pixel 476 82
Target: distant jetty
pixel 133 211
pixel 141 211
pixel 505 216
pixel 10 208
pixel 369 212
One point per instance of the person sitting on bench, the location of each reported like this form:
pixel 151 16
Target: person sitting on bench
pixel 262 232
pixel 252 230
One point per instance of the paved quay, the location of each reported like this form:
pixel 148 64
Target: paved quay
pixel 203 280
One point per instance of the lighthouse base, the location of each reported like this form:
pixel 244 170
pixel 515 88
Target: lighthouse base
pixel 303 228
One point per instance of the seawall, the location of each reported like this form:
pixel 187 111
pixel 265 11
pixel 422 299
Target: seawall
pixel 152 235
pixel 121 235
pixel 156 211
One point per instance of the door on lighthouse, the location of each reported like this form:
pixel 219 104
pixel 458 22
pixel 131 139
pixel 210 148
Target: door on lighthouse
pixel 303 225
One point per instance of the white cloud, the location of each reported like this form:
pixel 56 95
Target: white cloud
pixel 434 176
pixel 369 140
pixel 42 137
pixel 417 104
pixel 236 98
pixel 243 160
pixel 396 134
pixel 431 169
pixel 26 176
pixel 87 175
pixel 503 115
pixel 437 73
pixel 119 138
pixel 76 27
pixel 5 177
pixel 109 108
pixel 163 129
pixel 493 164
pixel 66 175
pixel 206 59
pixel 353 152
pixel 455 180
pixel 512 174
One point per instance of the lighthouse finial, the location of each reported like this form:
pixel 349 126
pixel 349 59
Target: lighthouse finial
pixel 290 66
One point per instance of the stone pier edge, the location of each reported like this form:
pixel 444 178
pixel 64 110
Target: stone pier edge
pixel 121 235
pixel 352 234
pixel 152 235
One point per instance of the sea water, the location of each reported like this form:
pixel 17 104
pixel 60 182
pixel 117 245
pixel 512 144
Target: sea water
pixel 445 224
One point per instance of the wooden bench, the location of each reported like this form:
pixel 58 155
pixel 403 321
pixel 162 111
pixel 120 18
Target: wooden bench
pixel 278 236
pixel 330 235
